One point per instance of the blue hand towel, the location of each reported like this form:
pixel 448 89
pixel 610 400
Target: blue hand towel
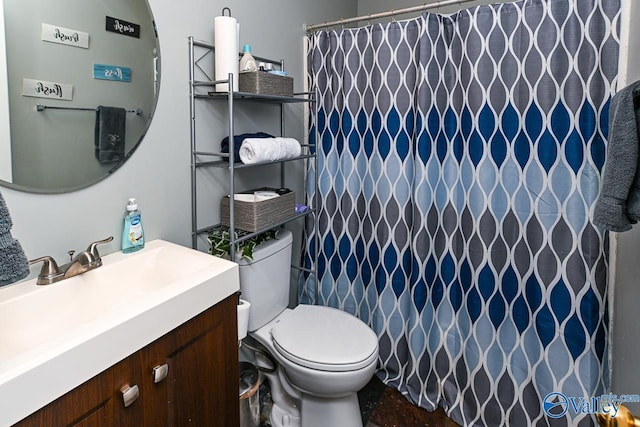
pixel 14 265
pixel 621 167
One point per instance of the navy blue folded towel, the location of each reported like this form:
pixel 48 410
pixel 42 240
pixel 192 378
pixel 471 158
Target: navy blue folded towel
pixel 237 142
pixel 14 265
pixel 109 134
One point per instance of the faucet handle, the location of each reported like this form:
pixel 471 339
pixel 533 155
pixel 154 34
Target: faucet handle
pixel 93 248
pixel 49 270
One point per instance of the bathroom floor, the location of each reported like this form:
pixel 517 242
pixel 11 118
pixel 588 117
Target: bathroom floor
pixel 381 406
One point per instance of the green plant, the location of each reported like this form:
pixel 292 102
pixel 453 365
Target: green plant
pixel 220 243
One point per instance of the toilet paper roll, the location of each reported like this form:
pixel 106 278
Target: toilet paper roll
pixel 226 29
pixel 243 318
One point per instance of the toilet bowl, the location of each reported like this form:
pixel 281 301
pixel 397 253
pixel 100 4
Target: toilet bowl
pixel 324 355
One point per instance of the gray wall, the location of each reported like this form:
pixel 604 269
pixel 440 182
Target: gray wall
pixel 158 173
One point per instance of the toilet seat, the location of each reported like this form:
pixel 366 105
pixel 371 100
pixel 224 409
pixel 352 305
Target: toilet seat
pixel 325 339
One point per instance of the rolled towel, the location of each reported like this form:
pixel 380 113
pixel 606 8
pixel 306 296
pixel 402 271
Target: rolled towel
pixel 237 141
pixel 14 265
pixel 269 149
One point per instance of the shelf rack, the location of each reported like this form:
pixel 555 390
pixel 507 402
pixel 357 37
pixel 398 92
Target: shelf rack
pixel 200 159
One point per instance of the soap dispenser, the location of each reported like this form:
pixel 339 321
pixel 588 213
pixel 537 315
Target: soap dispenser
pixel 132 232
pixel 247 62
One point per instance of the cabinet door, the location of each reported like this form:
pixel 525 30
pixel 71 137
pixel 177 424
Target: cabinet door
pixel 201 385
pixel 95 403
pixel 124 374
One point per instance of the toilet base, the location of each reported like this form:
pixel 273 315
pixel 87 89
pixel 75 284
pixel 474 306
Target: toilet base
pixel 281 418
pixel 337 411
pixel 320 412
pixel 312 411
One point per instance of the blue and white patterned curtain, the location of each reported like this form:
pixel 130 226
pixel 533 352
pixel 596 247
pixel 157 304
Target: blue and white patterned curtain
pixel 460 158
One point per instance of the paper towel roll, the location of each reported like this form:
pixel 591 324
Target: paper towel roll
pixel 226 53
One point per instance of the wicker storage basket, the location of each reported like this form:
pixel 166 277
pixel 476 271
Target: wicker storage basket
pixel 254 216
pixel 264 83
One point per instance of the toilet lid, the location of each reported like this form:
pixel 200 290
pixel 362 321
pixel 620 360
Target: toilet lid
pixel 325 338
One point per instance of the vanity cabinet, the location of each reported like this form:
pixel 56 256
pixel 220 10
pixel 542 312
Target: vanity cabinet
pixel 200 388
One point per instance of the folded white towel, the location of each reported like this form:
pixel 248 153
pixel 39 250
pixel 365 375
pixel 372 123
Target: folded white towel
pixel 258 150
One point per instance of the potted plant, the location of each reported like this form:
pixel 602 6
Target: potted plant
pixel 220 242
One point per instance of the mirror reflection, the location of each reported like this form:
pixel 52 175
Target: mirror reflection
pixel 82 78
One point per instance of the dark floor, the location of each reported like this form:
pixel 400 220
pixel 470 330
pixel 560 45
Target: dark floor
pixel 381 406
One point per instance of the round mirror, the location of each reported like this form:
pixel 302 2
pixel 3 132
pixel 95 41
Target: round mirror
pixel 82 79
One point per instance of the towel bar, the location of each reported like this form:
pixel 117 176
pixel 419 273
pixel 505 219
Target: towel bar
pixel 42 107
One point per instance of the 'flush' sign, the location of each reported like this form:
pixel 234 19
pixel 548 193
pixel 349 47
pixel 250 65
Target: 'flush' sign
pixel 61 35
pixel 125 28
pixel 45 89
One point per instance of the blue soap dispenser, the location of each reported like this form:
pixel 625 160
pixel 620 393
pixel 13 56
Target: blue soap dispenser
pixel 247 62
pixel 132 233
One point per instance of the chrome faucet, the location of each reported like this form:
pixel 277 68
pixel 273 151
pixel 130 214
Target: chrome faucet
pixel 81 263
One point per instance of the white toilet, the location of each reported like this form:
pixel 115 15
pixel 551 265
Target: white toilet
pixel 324 355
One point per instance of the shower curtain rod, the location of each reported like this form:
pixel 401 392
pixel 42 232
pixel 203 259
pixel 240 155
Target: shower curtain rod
pixel 309 28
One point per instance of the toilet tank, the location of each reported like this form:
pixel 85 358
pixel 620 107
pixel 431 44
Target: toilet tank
pixel 264 282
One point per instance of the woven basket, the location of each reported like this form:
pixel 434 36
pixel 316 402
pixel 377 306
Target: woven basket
pixel 264 83
pixel 254 216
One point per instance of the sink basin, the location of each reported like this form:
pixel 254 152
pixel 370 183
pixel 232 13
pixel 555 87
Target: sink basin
pixel 55 337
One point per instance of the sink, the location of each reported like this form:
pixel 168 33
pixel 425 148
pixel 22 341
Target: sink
pixel 55 337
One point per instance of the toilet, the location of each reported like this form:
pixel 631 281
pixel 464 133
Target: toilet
pixel 324 355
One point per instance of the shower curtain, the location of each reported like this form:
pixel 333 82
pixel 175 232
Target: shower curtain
pixel 459 160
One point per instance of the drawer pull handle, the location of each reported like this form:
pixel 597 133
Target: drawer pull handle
pixel 130 395
pixel 160 372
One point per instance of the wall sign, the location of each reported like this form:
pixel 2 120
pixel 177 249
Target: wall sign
pixel 66 36
pixel 45 89
pixel 111 72
pixel 125 28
